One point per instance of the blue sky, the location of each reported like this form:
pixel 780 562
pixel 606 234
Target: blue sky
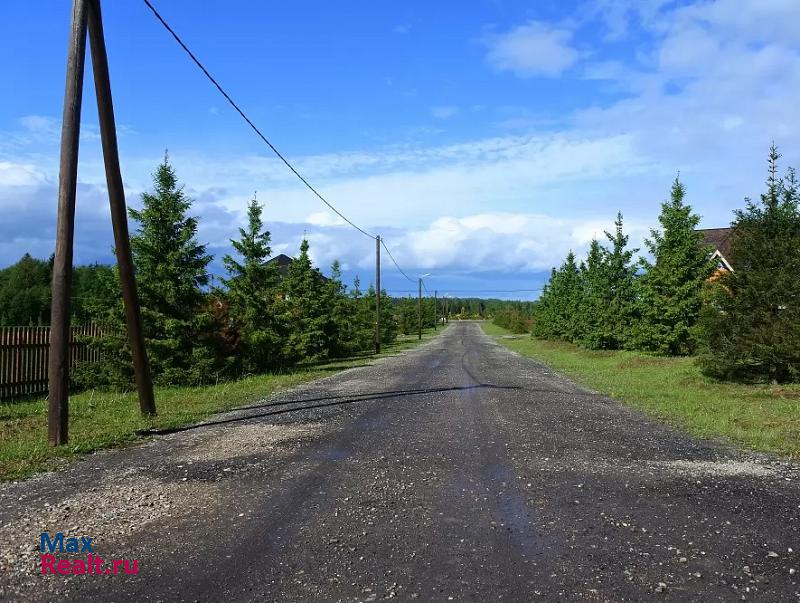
pixel 482 139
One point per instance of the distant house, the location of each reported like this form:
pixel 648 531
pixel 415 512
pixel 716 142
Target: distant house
pixel 720 240
pixel 283 262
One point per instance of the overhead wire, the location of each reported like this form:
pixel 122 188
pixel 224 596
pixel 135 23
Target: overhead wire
pixel 264 138
pixel 250 122
pixel 391 257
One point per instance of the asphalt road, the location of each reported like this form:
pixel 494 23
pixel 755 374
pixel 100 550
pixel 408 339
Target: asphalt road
pixel 457 471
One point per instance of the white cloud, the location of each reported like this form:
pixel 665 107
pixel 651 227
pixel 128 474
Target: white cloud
pixel 325 218
pixel 533 49
pixel 39 124
pixel 444 111
pixel 499 242
pixel 503 241
pixel 746 20
pixel 20 174
pixel 706 94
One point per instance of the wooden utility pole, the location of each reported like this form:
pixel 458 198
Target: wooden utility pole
pixel 378 294
pixel 119 217
pixel 435 308
pixel 58 362
pixel 83 12
pixel 419 309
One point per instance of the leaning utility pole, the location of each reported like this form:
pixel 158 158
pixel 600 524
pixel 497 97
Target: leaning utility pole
pixel 88 12
pixel 378 294
pixel 119 212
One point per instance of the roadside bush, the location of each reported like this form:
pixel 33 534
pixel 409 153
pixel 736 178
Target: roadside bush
pixel 513 320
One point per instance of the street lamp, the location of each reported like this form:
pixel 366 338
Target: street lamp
pixel 419 304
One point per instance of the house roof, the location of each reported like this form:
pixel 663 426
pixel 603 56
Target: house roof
pixel 720 240
pixel 283 261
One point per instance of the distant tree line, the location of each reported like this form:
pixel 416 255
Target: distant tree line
pixel 455 308
pixel 742 324
pixel 25 292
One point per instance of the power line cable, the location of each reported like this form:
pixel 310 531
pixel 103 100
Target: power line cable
pixel 391 257
pixel 250 123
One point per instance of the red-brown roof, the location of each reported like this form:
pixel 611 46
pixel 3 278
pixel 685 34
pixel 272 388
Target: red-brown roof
pixel 719 239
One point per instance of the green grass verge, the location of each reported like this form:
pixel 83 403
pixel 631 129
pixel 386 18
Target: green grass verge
pixel 759 417
pixel 100 419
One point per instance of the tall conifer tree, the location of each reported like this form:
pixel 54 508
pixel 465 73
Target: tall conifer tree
pixel 620 273
pixel 307 313
pixel 251 293
pixel 557 311
pixel 594 297
pixel 670 290
pixel 171 270
pixel 752 325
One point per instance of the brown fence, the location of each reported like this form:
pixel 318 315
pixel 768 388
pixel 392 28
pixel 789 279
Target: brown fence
pixel 24 352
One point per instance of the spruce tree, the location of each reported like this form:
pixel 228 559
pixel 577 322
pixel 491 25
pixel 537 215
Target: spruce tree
pixel 357 330
pixel 346 331
pixel 594 297
pixel 251 293
pixel 670 290
pixel 407 315
pixel 306 313
pixel 544 322
pixel 171 269
pixel 752 323
pixel 557 312
pixel 618 312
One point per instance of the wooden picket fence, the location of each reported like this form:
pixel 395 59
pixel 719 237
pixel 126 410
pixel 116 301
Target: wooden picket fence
pixel 24 352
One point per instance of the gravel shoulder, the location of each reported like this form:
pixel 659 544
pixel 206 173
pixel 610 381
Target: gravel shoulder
pixel 456 471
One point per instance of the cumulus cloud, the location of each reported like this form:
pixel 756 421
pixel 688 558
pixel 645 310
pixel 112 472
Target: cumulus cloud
pixel 708 93
pixel 504 241
pixel 20 174
pixel 501 242
pixel 28 220
pixel 533 49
